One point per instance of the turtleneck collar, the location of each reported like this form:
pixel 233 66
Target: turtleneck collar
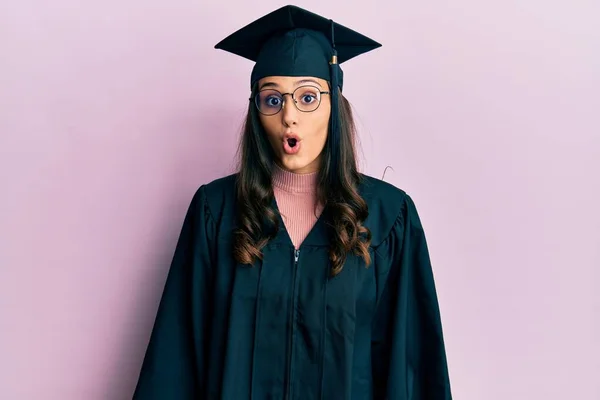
pixel 293 182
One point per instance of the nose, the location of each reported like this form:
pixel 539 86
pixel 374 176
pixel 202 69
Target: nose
pixel 289 112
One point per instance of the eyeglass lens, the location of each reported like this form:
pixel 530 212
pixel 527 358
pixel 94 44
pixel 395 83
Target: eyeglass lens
pixel 270 101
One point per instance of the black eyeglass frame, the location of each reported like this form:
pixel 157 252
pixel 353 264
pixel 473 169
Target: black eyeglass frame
pixel 256 96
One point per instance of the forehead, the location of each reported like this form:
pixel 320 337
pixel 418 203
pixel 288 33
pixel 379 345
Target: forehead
pixel 289 82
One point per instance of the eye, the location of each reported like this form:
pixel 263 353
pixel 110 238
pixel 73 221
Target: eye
pixel 308 98
pixel 307 95
pixel 272 101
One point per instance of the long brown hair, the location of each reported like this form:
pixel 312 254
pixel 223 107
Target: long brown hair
pixel 337 189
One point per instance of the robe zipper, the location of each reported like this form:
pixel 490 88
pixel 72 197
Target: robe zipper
pixel 291 336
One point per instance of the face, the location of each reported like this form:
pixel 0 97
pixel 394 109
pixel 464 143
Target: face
pixel 297 137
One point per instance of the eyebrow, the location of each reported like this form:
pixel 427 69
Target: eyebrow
pixel 297 83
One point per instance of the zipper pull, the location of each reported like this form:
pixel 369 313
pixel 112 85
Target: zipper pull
pixel 296 256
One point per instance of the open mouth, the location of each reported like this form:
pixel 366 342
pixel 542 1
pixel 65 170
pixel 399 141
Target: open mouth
pixel 291 145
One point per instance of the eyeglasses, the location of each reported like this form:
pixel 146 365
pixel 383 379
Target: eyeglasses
pixel 271 101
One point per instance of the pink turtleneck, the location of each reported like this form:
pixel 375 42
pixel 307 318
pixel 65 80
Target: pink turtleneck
pixel 296 199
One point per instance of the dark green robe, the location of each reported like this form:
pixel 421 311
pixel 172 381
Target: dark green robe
pixel 285 329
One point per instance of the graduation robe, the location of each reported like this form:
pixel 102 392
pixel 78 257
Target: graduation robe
pixel 284 328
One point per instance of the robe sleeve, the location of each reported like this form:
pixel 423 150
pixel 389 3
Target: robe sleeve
pixel 174 364
pixel 408 352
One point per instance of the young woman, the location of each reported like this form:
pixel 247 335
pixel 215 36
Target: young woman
pixel 298 277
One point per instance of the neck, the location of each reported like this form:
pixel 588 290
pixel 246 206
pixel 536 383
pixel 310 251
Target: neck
pixel 294 182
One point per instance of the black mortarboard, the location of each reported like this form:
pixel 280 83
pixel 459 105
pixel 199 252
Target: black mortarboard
pixel 291 41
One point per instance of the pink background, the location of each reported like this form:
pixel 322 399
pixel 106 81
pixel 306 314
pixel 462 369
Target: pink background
pixel 112 113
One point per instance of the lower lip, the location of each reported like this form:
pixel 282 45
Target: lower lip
pixel 289 149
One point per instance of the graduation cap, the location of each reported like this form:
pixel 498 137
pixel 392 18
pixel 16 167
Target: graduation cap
pixel 291 41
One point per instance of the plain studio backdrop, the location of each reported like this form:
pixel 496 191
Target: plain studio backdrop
pixel 112 113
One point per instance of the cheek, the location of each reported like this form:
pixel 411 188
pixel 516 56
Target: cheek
pixel 323 131
pixel 270 127
pixel 322 124
pixel 318 135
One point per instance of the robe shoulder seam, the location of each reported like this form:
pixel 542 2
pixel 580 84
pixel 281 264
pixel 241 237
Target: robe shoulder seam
pixel 387 205
pixel 398 225
pixel 206 206
pixel 219 194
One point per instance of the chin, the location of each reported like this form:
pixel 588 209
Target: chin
pixel 297 165
pixel 292 165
